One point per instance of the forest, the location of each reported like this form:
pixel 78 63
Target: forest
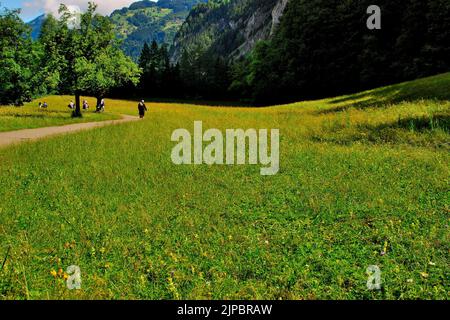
pixel 319 49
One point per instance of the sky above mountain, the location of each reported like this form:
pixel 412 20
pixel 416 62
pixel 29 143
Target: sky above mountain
pixel 30 9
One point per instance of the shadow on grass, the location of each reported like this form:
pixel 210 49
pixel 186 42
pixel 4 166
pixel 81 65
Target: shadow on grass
pixel 426 131
pixel 36 116
pixel 439 121
pixel 434 88
pixel 194 102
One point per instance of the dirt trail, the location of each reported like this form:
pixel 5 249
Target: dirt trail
pixel 14 137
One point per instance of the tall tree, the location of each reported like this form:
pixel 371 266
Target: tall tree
pixel 18 60
pixel 159 77
pixel 89 60
pixel 53 62
pixel 144 59
pixel 109 69
pixel 149 62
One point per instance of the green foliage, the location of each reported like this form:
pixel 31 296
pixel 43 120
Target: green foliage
pixel 224 28
pixel 109 69
pixel 53 60
pixel 323 48
pixel 320 48
pixel 19 60
pixel 147 21
pixel 204 76
pixel 84 55
pixel 196 76
pixel 159 78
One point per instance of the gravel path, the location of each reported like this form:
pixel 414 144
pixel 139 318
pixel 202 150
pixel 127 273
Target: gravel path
pixel 14 137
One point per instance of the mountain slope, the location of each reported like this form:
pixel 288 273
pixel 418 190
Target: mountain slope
pixel 141 22
pixel 36 26
pixel 146 21
pixel 228 28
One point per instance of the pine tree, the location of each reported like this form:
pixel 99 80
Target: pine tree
pixel 144 59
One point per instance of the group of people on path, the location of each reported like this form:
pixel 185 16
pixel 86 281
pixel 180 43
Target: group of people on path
pixel 100 107
pixel 142 108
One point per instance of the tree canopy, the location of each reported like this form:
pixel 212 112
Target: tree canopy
pixel 323 48
pixel 19 60
pixel 75 54
pixel 84 54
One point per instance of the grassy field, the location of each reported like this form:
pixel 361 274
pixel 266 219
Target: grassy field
pixel 57 114
pixel 360 174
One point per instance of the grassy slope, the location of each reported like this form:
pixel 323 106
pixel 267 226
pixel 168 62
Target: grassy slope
pixel 357 171
pixel 30 116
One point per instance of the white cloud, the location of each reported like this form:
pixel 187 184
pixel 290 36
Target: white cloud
pixel 105 7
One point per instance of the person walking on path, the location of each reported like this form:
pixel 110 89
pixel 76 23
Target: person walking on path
pixel 142 109
pixel 101 106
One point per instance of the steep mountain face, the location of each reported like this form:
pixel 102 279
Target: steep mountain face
pixel 227 28
pixel 143 21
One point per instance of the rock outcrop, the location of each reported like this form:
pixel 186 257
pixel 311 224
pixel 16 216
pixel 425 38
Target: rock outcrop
pixel 230 30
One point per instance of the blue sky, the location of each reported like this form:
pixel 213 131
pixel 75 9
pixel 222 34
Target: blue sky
pixel 15 4
pixel 26 14
pixel 33 8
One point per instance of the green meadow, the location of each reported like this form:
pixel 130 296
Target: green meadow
pixel 364 180
pixel 30 116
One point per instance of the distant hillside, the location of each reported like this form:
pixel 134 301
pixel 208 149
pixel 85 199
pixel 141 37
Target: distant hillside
pixel 228 28
pixel 146 21
pixel 142 21
pixel 36 26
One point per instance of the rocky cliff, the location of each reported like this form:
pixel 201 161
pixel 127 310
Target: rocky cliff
pixel 229 29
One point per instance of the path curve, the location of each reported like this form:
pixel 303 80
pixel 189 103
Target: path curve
pixel 18 136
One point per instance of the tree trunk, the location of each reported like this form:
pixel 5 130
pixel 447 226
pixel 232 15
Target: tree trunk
pixel 99 99
pixel 77 112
